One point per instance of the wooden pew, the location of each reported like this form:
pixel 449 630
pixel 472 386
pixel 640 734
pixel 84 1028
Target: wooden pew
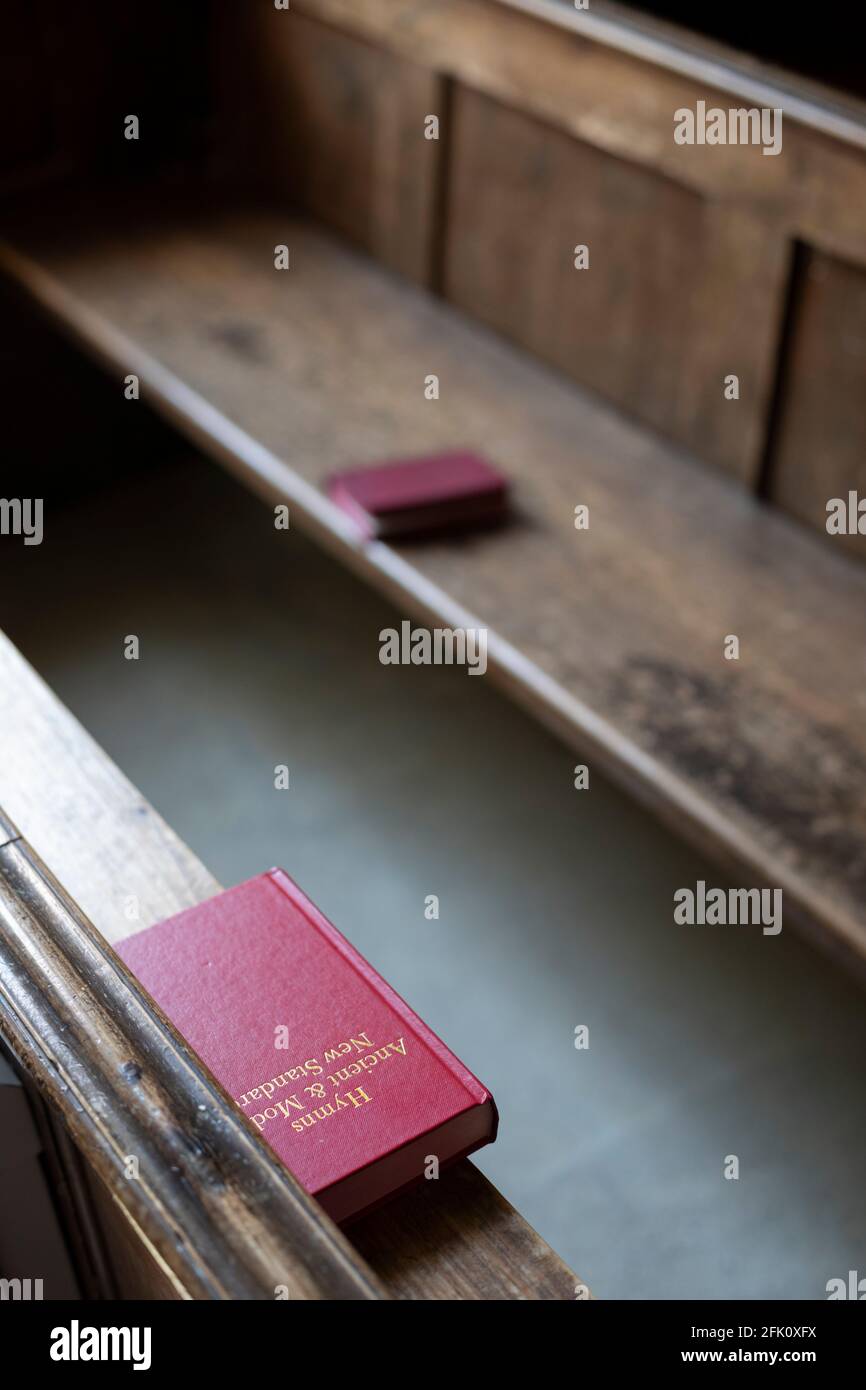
pixel 603 392
pixel 613 636
pixel 239 1226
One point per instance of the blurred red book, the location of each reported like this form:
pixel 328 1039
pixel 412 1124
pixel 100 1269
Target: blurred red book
pixel 348 1086
pixel 414 496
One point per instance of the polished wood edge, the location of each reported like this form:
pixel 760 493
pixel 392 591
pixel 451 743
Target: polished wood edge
pixel 660 44
pixel 680 50
pixel 454 1239
pixel 215 1210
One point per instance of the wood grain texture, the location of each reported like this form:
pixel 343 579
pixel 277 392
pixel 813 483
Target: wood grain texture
pixel 678 293
pixel 678 47
pixel 108 845
pixel 339 130
pixel 104 843
pixel 485 1248
pixel 216 1211
pixel 820 444
pixel 68 1178
pixel 624 104
pixel 559 129
pixel 613 636
pixel 137 1275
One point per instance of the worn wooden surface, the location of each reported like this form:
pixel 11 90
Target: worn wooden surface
pixel 623 104
pixel 108 847
pixel 340 127
pixel 556 127
pixel 136 1274
pixel 614 636
pixel 557 130
pixel 820 446
pixel 461 1243
pixel 675 46
pixel 218 1213
pixel 679 291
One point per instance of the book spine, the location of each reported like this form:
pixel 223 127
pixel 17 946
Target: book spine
pixel 476 1091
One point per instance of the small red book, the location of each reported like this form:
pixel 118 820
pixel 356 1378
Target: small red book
pixel 348 1086
pixel 414 496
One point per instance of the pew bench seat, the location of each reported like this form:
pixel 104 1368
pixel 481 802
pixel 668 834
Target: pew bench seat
pixel 613 634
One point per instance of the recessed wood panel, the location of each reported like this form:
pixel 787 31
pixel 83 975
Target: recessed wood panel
pixel 679 294
pixel 344 128
pixel 621 97
pixel 820 448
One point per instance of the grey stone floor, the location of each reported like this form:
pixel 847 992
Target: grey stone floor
pixel 556 905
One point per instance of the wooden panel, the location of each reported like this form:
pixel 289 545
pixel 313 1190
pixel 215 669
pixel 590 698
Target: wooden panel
pixel 107 845
pixel 696 239
pixel 820 447
pixel 582 78
pixel 344 125
pixel 613 636
pixel 137 1275
pixel 678 294
pixel 719 50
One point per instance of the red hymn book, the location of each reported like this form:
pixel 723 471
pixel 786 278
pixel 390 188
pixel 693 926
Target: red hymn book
pixel 409 497
pixel 348 1086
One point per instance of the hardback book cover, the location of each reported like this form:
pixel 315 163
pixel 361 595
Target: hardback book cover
pixel 348 1086
pixel 413 496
